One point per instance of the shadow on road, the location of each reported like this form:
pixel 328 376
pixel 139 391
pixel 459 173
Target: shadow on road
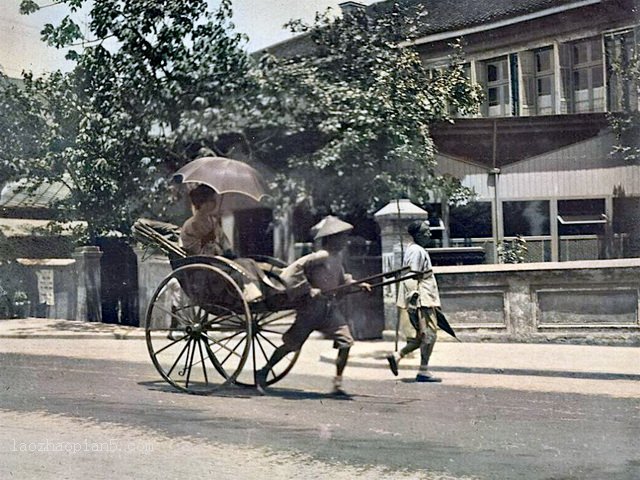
pixel 234 391
pixel 540 373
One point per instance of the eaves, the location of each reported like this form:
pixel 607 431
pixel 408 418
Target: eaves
pixel 451 34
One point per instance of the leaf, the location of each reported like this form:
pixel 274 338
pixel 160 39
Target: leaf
pixel 28 6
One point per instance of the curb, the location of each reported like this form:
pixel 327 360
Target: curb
pixel 82 336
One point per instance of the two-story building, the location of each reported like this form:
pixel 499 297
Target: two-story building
pixel 538 155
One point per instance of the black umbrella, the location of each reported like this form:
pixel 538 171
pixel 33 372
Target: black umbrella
pixel 443 324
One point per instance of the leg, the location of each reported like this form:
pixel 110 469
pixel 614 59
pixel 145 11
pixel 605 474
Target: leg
pixel 261 375
pixel 293 339
pixel 426 345
pixel 277 355
pixel 341 363
pixel 338 330
pixel 412 343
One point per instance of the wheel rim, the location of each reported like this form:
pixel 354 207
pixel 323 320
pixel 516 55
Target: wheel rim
pixel 268 328
pixel 198 346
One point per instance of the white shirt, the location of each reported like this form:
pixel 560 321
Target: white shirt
pixel 417 259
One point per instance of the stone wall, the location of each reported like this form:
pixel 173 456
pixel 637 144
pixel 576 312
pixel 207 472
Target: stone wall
pixel 52 287
pixel 151 270
pixel 577 302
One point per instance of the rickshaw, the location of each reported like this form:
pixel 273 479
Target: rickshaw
pixel 213 321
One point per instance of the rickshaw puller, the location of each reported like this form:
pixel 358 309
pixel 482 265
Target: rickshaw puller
pixel 306 279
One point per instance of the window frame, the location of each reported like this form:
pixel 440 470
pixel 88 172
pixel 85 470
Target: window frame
pixel 588 68
pixel 502 84
pixel 548 74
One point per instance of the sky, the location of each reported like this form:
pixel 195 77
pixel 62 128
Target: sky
pixel 21 47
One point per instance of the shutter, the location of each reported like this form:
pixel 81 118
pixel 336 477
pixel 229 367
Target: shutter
pixel 481 79
pixel 635 89
pixel 566 91
pixel 514 84
pixel 613 87
pixel 526 61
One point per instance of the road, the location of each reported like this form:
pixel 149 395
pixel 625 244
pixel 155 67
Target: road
pixel 97 409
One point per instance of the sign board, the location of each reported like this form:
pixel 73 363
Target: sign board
pixel 45 287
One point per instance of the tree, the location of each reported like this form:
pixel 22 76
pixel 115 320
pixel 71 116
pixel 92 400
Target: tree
pixel 110 129
pixel 346 123
pixel 626 122
pixel 345 126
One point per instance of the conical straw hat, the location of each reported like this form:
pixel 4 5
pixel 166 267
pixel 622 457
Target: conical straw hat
pixel 331 225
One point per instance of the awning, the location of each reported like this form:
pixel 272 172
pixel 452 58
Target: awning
pixel 582 219
pixel 26 227
pixel 19 194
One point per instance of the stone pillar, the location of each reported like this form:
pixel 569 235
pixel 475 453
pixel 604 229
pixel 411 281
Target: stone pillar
pixel 393 220
pixel 88 274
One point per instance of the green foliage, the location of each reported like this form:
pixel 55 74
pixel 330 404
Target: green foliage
pixel 626 123
pixel 11 281
pixel 372 101
pixel 110 129
pixel 344 128
pixel 513 251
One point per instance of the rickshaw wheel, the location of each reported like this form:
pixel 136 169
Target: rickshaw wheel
pixel 198 328
pixel 268 328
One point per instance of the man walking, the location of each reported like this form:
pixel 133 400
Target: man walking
pixel 418 298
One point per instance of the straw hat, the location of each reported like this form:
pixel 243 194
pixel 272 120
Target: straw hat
pixel 331 225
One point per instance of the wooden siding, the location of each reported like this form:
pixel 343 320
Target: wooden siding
pixel 581 170
pixel 472 176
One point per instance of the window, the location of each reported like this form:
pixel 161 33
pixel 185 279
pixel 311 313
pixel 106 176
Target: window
pixel 470 221
pixel 497 81
pixel 587 77
pixel 621 92
pixel 581 217
pixel 526 218
pixel 544 68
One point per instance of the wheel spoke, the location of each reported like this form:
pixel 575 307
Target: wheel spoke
pixel 204 366
pixel 223 346
pixel 272 344
pixel 264 353
pixel 186 360
pixel 178 359
pixel 276 318
pixel 171 313
pixel 226 320
pixel 268 330
pixel 170 344
pixel 193 351
pixel 233 351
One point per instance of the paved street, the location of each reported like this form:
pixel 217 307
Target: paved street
pixel 95 406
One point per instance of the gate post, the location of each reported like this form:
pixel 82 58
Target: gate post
pixel 393 219
pixel 88 275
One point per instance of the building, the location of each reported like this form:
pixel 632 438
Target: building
pixel 538 154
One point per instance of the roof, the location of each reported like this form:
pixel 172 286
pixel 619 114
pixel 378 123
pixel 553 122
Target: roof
pixel 18 195
pixel 26 227
pixel 449 15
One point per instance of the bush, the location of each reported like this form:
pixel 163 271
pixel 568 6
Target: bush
pixel 513 251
